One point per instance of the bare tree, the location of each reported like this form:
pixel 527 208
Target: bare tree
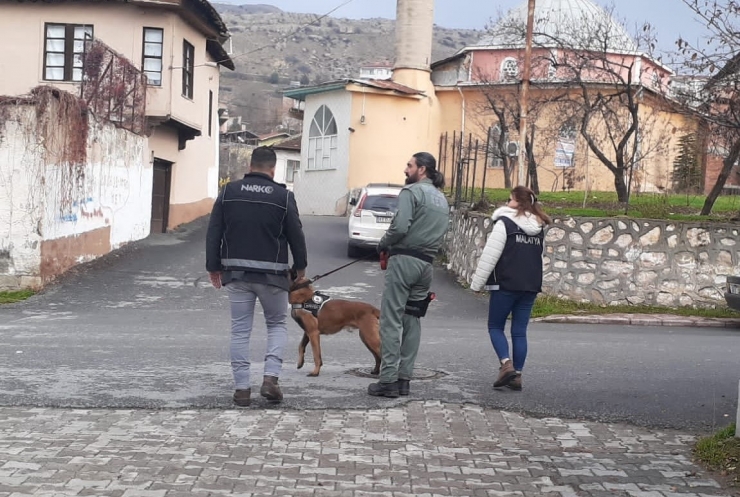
pixel 715 63
pixel 502 105
pixel 601 70
pixel 502 100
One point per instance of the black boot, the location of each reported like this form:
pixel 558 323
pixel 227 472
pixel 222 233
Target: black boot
pixel 383 389
pixel 403 387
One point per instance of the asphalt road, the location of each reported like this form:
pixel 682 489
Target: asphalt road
pixel 140 328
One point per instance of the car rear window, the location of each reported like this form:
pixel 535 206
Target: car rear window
pixel 380 203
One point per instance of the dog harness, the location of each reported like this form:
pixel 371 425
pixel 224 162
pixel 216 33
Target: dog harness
pixel 313 305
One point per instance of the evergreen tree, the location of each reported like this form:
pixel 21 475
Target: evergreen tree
pixel 687 173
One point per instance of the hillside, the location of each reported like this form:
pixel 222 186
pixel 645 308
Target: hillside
pixel 274 41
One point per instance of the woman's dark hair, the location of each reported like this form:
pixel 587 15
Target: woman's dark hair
pixel 428 161
pixel 527 202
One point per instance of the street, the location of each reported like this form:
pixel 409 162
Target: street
pixel 142 328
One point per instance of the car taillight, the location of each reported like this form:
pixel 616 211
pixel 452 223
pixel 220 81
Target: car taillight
pixel 358 210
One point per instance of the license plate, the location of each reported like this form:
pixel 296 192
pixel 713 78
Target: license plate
pixel 385 220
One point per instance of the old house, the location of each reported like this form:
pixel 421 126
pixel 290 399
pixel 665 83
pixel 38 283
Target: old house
pixel 288 166
pixel 178 46
pixel 108 127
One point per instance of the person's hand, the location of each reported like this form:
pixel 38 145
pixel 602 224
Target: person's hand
pixel 300 274
pixel 215 277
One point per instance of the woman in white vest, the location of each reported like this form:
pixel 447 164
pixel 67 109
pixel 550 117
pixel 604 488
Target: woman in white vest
pixel 510 267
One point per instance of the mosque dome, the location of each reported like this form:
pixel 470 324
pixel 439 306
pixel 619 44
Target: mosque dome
pixel 575 23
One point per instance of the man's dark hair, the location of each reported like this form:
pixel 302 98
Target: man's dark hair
pixel 428 161
pixel 263 158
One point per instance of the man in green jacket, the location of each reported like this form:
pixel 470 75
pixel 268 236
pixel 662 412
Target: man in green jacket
pixel 412 241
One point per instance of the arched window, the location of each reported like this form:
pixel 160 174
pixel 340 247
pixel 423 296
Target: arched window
pixel 509 69
pixel 322 140
pixel 566 147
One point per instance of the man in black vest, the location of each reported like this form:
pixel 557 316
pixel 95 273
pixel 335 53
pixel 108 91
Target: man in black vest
pixel 253 223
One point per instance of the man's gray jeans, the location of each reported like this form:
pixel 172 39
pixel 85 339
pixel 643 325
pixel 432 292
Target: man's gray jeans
pixel 274 301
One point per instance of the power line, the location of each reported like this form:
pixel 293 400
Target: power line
pixel 286 36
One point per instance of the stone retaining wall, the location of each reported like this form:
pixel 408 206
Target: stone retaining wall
pixel 618 261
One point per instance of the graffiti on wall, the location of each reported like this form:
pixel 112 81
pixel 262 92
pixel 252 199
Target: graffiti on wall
pixel 84 208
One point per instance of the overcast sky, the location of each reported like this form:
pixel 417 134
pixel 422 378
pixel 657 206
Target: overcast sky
pixel 670 18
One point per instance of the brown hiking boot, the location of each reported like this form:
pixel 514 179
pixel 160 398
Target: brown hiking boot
pixel 505 375
pixel 516 383
pixel 241 397
pixel 270 389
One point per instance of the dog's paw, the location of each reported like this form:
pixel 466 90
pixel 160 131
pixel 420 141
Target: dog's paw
pixel 300 365
pixel 312 374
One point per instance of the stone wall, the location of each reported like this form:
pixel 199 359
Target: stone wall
pixel 618 261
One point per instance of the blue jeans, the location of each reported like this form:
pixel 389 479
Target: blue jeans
pixel 519 305
pixel 274 301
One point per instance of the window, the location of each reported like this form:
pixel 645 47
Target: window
pixel 188 66
pixel 379 203
pixel 291 170
pixel 64 48
pixel 322 140
pixel 566 146
pixel 210 112
pixel 151 62
pixel 509 69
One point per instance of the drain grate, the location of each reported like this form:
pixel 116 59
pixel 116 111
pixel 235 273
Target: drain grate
pixel 419 373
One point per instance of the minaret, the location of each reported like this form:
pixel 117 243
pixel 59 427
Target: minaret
pixel 414 25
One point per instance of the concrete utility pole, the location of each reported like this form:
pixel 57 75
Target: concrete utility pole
pixel 526 72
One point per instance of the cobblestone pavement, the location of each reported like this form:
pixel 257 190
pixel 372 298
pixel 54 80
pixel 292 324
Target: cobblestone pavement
pixel 421 449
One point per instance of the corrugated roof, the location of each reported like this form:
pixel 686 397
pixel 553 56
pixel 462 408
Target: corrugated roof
pixel 293 143
pixel 386 84
pixel 267 136
pixel 381 84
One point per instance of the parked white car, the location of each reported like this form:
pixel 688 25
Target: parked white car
pixel 372 212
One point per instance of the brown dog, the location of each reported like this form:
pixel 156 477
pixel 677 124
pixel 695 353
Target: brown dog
pixel 333 316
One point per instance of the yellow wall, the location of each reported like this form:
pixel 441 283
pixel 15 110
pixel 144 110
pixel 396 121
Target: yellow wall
pixel 394 129
pixel 661 131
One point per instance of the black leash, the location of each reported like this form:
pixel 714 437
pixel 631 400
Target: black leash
pixel 316 278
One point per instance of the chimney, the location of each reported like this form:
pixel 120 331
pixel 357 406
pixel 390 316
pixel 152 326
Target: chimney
pixel 414 25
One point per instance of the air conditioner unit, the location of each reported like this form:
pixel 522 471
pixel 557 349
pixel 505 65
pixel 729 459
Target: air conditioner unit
pixel 512 149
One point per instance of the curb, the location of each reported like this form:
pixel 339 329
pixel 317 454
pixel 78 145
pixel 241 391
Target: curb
pixel 642 320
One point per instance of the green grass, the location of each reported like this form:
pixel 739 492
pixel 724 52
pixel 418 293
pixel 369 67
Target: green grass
pixel 15 296
pixel 677 207
pixel 547 305
pixel 721 452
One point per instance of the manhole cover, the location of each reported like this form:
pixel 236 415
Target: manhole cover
pixel 419 373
